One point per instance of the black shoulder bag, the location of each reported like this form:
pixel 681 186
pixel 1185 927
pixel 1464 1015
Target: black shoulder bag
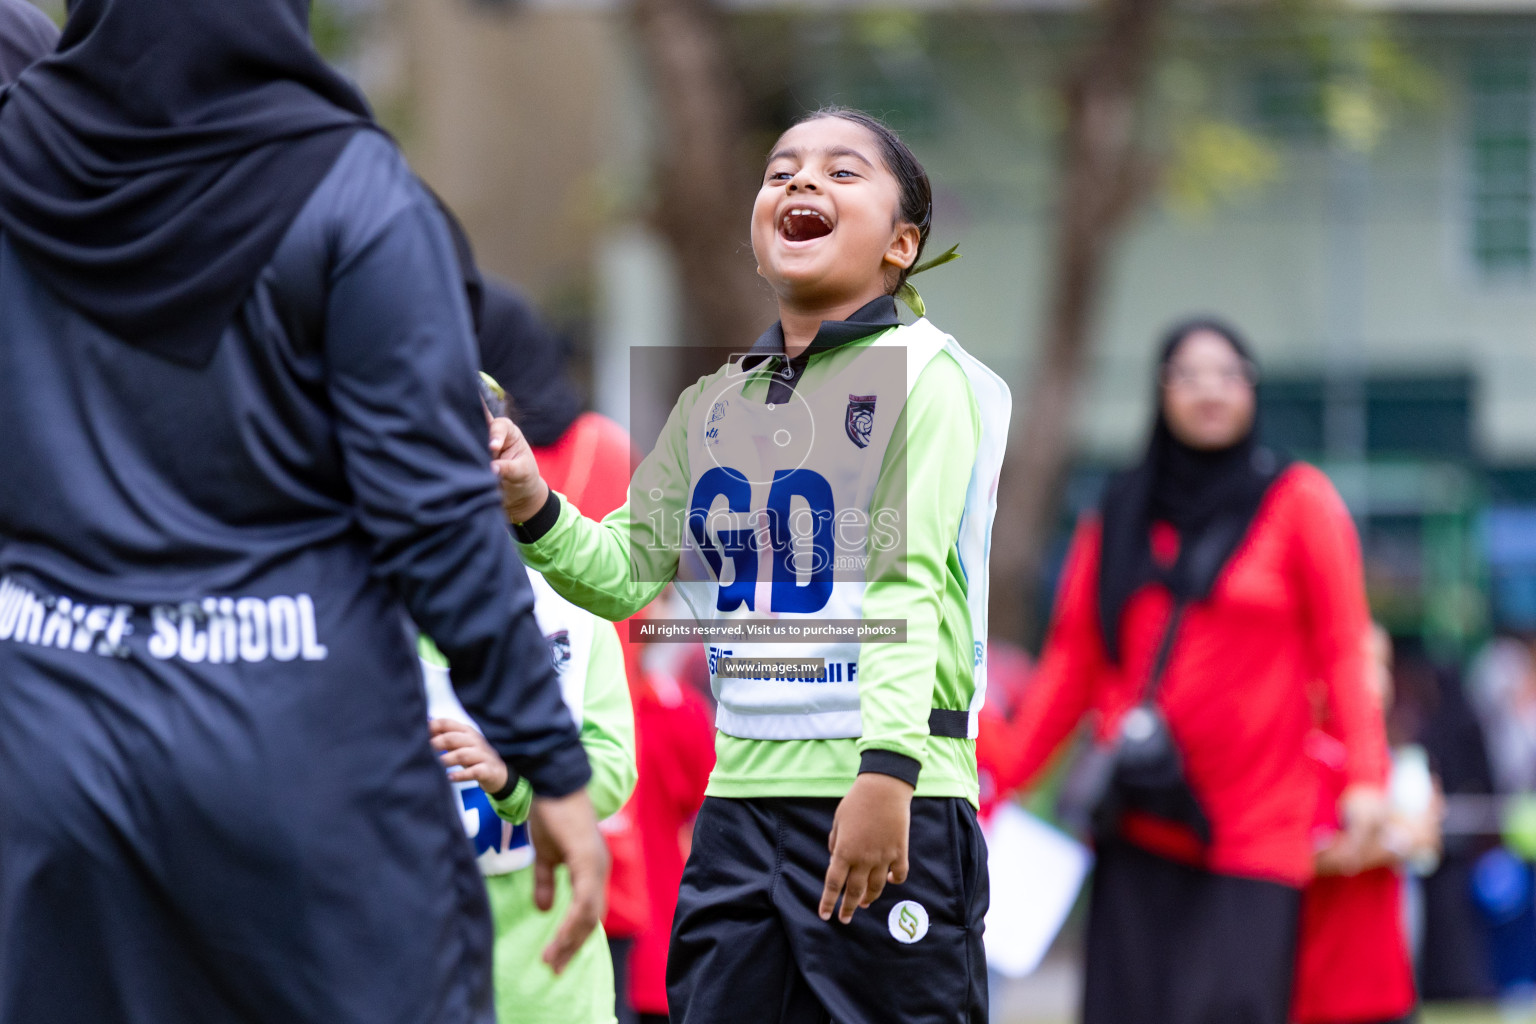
pixel 1138 768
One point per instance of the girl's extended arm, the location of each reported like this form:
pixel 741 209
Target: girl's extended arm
pixel 615 567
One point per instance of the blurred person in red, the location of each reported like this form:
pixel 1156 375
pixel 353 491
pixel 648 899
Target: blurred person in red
pixel 588 457
pixel 1215 584
pixel 675 724
pixel 1353 964
pixel 1008 675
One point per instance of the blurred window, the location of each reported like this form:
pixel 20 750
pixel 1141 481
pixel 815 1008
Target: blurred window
pixel 1427 416
pixel 1286 101
pixel 1500 95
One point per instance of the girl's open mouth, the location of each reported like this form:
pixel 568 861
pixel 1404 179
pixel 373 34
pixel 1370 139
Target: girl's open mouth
pixel 803 224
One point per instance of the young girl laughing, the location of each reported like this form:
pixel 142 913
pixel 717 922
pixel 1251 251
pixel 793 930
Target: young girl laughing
pixel 824 504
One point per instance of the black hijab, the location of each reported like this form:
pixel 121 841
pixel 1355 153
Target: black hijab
pixel 26 37
pixel 529 360
pixel 150 167
pixel 1210 498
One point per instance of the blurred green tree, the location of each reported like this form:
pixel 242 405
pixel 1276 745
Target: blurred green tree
pixel 704 174
pixel 1131 133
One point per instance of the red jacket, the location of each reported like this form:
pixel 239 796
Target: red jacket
pixel 1288 608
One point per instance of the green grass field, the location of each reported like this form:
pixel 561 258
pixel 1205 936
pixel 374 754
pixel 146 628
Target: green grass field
pixel 1470 1015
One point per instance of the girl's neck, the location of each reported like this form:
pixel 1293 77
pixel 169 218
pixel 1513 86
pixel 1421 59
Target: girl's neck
pixel 801 322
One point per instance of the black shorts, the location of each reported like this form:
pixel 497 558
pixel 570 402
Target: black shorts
pixel 748 946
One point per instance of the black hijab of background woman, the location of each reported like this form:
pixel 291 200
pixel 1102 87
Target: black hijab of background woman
pixel 1209 497
pixel 150 167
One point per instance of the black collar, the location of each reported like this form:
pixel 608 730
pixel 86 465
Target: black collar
pixel 870 318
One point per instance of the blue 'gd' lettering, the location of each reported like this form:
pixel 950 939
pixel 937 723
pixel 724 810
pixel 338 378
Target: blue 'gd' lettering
pixel 489 835
pixel 789 594
pixel 740 545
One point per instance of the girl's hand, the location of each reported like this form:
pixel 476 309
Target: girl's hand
pixel 868 843
pixel 523 490
pixel 476 760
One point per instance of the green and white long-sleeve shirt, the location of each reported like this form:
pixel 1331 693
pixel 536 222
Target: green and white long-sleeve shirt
pixel 940 419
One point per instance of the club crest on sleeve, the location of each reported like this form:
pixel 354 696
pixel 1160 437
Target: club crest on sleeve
pixel 859 420
pixel 560 649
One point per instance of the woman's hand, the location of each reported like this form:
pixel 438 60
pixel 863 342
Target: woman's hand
pixel 564 831
pixel 523 490
pixel 468 753
pixel 1364 811
pixel 868 843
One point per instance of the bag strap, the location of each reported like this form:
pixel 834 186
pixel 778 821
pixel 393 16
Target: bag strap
pixel 1164 654
pixel 1207 559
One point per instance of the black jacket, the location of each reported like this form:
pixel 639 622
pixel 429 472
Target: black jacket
pixel 333 445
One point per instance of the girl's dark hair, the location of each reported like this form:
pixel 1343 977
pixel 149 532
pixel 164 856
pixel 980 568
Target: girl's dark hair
pixel 916 192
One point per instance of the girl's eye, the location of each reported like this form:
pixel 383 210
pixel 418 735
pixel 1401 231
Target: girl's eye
pixel 779 175
pixel 843 174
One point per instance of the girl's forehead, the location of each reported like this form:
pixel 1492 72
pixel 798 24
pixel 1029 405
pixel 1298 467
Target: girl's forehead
pixel 824 134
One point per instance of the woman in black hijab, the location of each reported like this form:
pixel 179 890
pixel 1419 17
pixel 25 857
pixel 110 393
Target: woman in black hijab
pixel 1216 589
pixel 26 35
pixel 245 461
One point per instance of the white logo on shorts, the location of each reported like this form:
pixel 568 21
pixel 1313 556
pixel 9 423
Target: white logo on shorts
pixel 908 922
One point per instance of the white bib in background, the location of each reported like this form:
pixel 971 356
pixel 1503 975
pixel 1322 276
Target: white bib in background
pixel 502 847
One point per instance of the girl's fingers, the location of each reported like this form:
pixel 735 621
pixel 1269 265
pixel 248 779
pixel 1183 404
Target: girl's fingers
pixel 837 875
pixel 875 887
pixel 464 756
pixel 454 740
pixel 501 430
pixel 898 873
pixel 853 896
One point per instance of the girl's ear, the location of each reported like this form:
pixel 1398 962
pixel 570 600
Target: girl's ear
pixel 902 252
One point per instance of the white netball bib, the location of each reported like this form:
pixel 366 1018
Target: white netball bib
pixel 780 520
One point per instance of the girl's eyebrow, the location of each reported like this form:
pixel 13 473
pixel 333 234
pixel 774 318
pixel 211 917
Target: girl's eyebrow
pixel 835 151
pixel 848 151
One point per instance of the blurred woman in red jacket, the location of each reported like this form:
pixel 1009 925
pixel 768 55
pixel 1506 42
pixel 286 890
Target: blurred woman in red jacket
pixel 1263 560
